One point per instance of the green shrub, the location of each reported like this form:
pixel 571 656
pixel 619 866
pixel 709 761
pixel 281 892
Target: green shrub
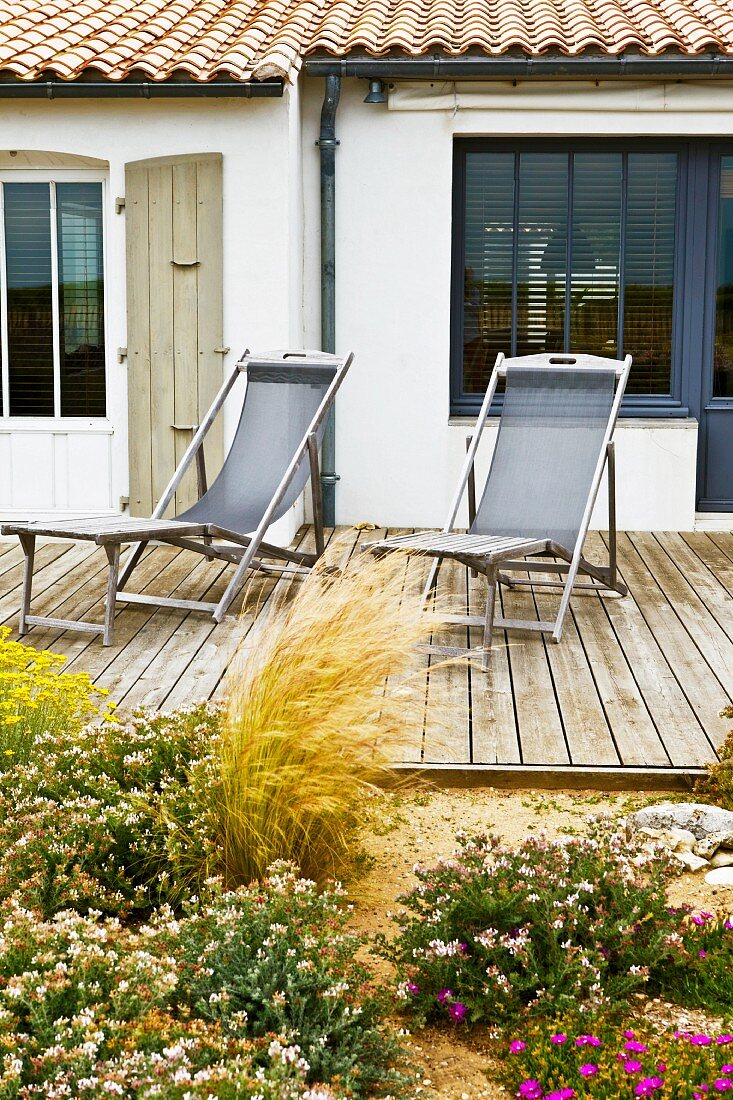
pixel 492 933
pixel 560 1059
pixel 110 817
pixel 260 981
pixel 717 786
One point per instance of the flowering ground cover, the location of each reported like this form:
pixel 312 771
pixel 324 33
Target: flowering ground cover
pixel 494 933
pixel 555 1060
pixel 252 993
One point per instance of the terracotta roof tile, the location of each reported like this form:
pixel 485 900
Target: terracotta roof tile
pixel 255 39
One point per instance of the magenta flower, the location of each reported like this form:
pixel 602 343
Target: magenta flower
pixel 559 1039
pixel 457 1012
pixel 561 1094
pixel 723 1084
pixel 588 1070
pixel 445 995
pixel 701 954
pixel 648 1085
pixel 530 1090
pixel 661 1068
pixel 635 1047
pixel 629 1034
pixel 588 1041
pixel 633 1066
pixel 726 1070
pixel 414 988
pixel 517 1045
pixel 728 924
pixel 722 1039
pixel 700 1040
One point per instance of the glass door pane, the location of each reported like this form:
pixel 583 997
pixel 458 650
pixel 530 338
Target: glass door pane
pixel 30 310
pixel 723 352
pixel 81 298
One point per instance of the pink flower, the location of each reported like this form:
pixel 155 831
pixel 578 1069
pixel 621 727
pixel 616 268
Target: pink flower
pixel 457 1011
pixel 700 1040
pixel 726 1069
pixel 530 1090
pixel 648 1085
pixel 635 1047
pixel 629 1035
pixel 414 988
pixel 632 1066
pixel 561 1094
pixel 722 1039
pixel 559 1039
pixel 723 1084
pixel 588 1070
pixel 517 1045
pixel 702 954
pixel 588 1041
pixel 445 995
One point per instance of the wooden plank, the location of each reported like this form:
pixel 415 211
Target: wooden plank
pixel 541 733
pixel 700 686
pixel 138 339
pixel 162 376
pixel 210 305
pixel 207 669
pixel 185 269
pixel 77 649
pixel 57 561
pixel 587 730
pixel 712 554
pixel 555 778
pixel 494 732
pixel 705 630
pixel 447 730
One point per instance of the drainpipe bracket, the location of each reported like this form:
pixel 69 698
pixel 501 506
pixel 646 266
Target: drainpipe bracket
pixel 327 143
pixel 330 479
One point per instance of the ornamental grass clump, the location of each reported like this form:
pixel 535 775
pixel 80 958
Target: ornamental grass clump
pixel 560 1060
pixel 318 709
pixel 37 696
pixel 717 786
pixel 494 934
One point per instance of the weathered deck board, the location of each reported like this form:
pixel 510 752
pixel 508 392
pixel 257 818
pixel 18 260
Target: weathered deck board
pixel 632 694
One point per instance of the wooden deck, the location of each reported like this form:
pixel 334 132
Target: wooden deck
pixel 631 697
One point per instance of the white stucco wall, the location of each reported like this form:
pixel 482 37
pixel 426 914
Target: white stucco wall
pixel 260 143
pixel 398 451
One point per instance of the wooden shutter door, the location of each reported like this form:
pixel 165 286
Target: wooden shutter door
pixel 173 212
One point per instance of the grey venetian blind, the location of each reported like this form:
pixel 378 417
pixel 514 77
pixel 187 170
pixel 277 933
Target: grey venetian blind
pixel 569 251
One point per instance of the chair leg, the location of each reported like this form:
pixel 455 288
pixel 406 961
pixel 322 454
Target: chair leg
pixel 432 580
pixel 113 557
pixel 565 598
pixel 28 542
pixel 491 577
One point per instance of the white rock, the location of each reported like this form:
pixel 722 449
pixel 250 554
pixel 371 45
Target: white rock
pixel 720 876
pixel 691 860
pixel 709 845
pixel 722 858
pixel 697 817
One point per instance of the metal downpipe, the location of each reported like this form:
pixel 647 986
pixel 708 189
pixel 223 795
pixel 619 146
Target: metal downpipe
pixel 327 147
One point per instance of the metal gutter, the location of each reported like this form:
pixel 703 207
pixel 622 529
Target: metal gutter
pixel 138 89
pixel 437 66
pixel 327 147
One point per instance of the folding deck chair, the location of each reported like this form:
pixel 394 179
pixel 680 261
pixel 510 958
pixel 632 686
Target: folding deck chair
pixel 273 453
pixel 553 442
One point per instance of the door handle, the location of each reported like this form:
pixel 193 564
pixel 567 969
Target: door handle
pixel 185 263
pixel 185 427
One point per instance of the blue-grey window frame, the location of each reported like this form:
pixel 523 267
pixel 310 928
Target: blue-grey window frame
pixel 689 153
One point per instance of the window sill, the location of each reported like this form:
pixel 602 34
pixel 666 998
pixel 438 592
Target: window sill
pixel 62 425
pixel 675 422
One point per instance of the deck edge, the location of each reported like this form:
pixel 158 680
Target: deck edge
pixel 535 776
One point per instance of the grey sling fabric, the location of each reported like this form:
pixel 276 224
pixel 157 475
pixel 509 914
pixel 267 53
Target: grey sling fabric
pixel 550 438
pixel 280 403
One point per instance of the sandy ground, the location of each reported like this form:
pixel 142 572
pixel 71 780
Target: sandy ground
pixel 405 829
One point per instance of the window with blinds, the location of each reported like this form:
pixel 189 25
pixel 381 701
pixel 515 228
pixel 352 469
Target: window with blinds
pixel 567 250
pixel 52 300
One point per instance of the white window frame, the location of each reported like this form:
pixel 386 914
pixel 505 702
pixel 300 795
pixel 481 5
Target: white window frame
pixel 55 422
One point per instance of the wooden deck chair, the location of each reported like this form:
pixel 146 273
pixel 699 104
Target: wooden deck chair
pixel 273 453
pixel 553 442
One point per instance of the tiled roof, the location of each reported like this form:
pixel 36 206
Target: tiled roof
pixel 257 39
